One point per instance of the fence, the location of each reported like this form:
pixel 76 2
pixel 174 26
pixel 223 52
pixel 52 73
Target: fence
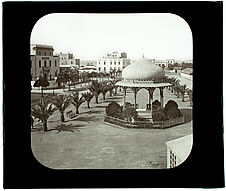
pixel 168 123
pixel 145 123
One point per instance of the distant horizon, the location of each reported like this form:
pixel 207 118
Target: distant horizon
pixel 89 36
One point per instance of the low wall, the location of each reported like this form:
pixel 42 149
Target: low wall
pixel 145 124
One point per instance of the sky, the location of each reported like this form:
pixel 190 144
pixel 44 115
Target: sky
pixel 89 36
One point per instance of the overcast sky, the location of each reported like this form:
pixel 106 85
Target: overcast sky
pixel 89 36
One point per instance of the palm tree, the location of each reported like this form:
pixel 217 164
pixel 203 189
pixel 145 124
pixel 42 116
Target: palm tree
pixel 41 82
pixel 87 96
pixel 43 111
pixel 62 102
pixel 96 88
pixel 77 101
pixel 182 90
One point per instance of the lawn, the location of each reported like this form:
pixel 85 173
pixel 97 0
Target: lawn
pixel 86 142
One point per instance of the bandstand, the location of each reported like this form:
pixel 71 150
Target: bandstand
pixel 143 73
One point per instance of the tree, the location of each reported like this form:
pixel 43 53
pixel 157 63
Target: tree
pixel 88 96
pixel 182 90
pixel 114 110
pixel 105 89
pixel 63 77
pixel 62 102
pixel 43 111
pixel 41 82
pixel 77 101
pixel 96 88
pixel 111 87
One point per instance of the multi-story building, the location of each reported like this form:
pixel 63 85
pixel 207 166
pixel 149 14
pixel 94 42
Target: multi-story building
pixel 43 62
pixel 114 61
pixel 68 61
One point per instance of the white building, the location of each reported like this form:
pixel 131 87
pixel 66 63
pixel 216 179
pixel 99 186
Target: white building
pixel 43 62
pixel 112 61
pixel 178 150
pixel 164 63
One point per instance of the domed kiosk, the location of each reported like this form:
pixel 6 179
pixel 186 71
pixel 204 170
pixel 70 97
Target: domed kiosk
pixel 143 73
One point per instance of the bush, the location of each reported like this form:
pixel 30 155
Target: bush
pixel 173 113
pixel 170 104
pixel 114 110
pixel 159 116
pixel 128 113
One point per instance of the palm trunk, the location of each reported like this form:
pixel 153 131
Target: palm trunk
pixel 77 112
pixel 182 97
pixel 42 90
pixel 103 96
pixel 45 125
pixel 62 117
pixel 96 97
pixel 88 104
pixel 110 93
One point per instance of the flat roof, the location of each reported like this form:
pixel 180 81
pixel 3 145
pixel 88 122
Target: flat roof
pixel 181 146
pixel 142 84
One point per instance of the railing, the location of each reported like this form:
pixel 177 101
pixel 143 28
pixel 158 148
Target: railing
pixel 145 123
pixel 168 123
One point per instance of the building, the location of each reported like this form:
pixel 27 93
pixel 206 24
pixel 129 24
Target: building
pixel 84 63
pixel 88 69
pixel 43 62
pixel 164 63
pixel 178 150
pixel 68 61
pixel 114 61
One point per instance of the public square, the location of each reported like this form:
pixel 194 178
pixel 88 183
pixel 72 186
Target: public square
pixel 87 142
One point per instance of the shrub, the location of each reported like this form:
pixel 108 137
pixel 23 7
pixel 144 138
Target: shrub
pixel 159 116
pixel 114 110
pixel 170 104
pixel 128 113
pixel 173 113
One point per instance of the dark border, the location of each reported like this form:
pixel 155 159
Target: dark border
pixel 205 166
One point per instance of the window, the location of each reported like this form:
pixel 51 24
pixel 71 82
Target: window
pixel 45 63
pixel 173 159
pixel 119 62
pixel 104 62
pixel 50 63
pixel 71 62
pixel 99 69
pixel 40 64
pixel 39 53
pixel 105 69
pixel 111 63
pixel 55 63
pixel 114 63
pixel 45 53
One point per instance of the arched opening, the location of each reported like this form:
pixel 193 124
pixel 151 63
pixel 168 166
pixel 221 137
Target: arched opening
pixel 142 98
